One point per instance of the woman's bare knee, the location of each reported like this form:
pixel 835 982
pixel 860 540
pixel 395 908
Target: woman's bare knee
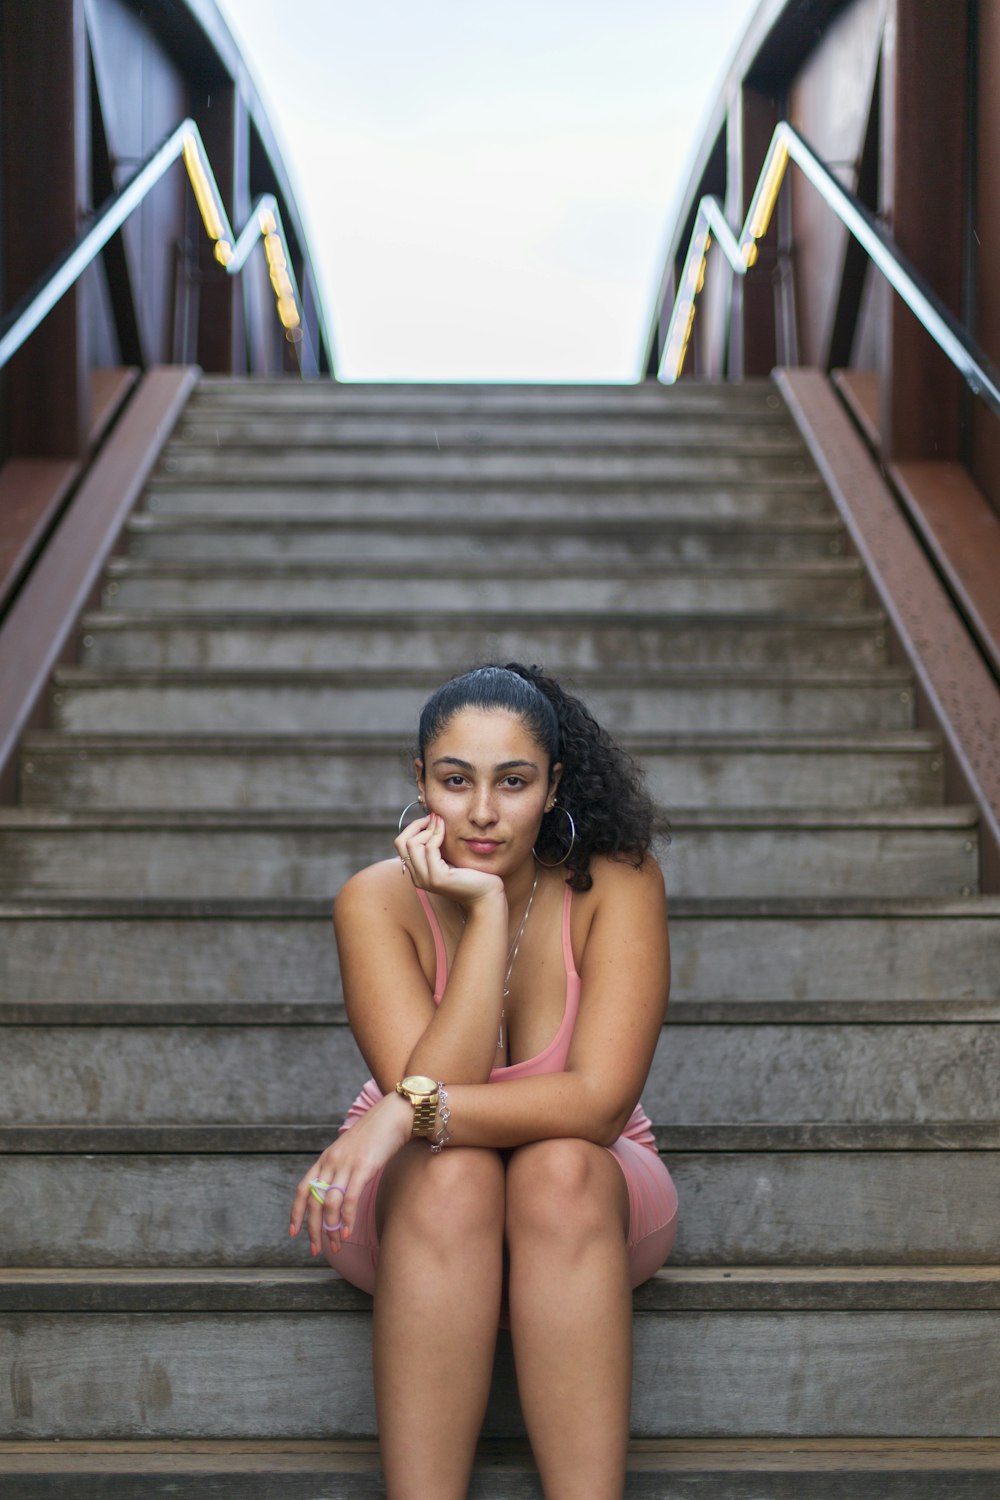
pixel 456 1195
pixel 564 1188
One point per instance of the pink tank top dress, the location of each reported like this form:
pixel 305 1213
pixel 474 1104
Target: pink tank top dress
pixel 651 1193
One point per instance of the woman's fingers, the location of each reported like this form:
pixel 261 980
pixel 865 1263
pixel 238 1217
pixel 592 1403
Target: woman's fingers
pixel 405 840
pixel 309 1210
pixel 416 845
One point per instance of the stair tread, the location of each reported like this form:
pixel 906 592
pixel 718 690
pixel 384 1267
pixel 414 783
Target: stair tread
pixel 268 618
pixel 317 1288
pixel 138 1010
pixel 334 820
pixel 425 570
pixel 334 1455
pixel 888 676
pixel 791 908
pixel 869 742
pixel 338 435
pixel 143 521
pixel 827 1136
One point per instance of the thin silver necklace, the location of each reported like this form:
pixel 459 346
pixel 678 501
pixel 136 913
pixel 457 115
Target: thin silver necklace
pixel 512 950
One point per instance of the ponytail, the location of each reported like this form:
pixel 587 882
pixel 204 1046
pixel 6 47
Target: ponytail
pixel 601 787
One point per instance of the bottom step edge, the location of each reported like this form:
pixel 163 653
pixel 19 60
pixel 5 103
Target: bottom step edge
pixel 669 1469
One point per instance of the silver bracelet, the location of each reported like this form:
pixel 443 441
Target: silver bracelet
pixel 442 1135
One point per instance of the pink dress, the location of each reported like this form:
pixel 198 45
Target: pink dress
pixel 651 1193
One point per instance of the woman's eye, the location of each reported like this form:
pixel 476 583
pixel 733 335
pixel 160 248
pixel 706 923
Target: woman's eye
pixel 454 780
pixel 514 781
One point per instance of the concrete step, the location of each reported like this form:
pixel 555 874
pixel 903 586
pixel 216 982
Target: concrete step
pixel 607 540
pixel 801 1370
pixel 773 499
pixel 755 1288
pixel 759 398
pixel 790 1074
pixel 333 432
pixel 820 1195
pixel 287 853
pixel 472 467
pixel 658 1469
pixel 374 777
pixel 682 701
pixel 568 641
pixel 760 959
pixel 835 584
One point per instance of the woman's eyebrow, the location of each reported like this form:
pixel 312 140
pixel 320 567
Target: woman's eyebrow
pixel 504 765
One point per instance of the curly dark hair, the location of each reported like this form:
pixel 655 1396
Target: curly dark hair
pixel 601 785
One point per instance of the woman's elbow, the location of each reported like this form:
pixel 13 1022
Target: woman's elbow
pixel 609 1124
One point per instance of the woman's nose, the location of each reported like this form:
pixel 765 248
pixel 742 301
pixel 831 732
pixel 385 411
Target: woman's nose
pixel 483 808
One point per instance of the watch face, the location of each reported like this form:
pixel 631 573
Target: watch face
pixel 416 1083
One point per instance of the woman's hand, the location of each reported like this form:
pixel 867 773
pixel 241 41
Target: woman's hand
pixel 419 847
pixel 347 1165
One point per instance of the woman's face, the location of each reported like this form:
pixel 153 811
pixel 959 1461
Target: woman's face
pixel 489 779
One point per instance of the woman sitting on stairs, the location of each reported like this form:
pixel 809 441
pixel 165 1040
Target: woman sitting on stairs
pixel 507 994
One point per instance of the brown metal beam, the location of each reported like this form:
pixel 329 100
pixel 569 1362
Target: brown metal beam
pixel 962 533
pixel 38 631
pixel 856 262
pixel 45 137
pixel 752 342
pixel 122 277
pixel 955 689
pixel 923 198
pixel 223 122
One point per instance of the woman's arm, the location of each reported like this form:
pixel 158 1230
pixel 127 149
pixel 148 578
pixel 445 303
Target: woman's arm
pixel 625 973
pixel 388 999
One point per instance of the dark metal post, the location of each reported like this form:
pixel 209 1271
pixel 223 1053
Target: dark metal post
pixel 923 187
pixel 46 158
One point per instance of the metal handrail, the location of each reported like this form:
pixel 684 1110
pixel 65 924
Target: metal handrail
pixel 978 371
pixel 264 222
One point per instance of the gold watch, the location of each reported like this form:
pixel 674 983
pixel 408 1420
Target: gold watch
pixel 423 1095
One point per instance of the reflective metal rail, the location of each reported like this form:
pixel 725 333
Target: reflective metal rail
pixel 980 374
pixel 264 222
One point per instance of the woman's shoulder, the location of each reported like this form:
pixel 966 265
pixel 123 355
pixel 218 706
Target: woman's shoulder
pixel 614 877
pixel 624 898
pixel 376 887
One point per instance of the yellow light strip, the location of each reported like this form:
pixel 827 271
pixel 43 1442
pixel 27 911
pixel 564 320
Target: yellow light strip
pixel 284 292
pixel 767 194
pixel 205 198
pixel 693 276
pixel 682 321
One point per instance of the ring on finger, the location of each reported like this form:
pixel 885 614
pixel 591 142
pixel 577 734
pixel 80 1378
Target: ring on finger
pixel 315 1187
pixel 333 1228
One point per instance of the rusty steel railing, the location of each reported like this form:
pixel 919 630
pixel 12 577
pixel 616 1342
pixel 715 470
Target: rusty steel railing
pixel 231 251
pixel 740 250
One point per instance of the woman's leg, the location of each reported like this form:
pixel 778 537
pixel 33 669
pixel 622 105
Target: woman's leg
pixel 437 1303
pixel 571 1313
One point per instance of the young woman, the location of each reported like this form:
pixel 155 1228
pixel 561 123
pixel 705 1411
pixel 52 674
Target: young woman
pixel 507 993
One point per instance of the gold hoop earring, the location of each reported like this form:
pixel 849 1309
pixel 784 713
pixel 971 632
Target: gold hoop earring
pixel 417 802
pixel 551 864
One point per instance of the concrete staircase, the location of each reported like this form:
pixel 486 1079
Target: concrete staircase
pixel 307 563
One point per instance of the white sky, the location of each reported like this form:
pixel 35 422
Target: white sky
pixel 488 189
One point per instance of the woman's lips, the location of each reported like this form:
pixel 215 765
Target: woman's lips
pixel 481 846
